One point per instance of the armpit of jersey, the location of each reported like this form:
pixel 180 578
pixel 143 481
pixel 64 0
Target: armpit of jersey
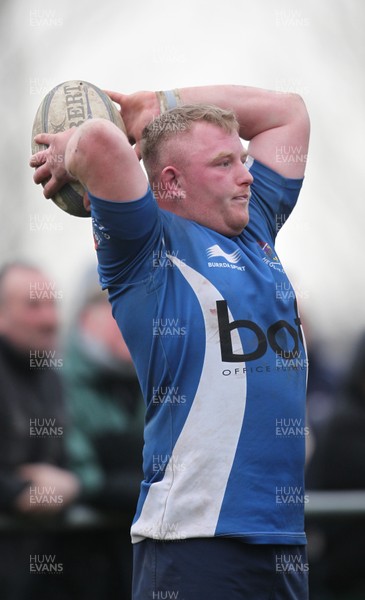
pixel 273 197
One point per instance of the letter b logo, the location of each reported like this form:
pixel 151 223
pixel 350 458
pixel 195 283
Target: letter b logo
pixel 282 337
pixel 225 328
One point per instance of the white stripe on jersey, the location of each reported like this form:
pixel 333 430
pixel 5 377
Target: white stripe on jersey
pixel 187 501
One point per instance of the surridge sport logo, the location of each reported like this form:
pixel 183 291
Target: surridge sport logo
pixel 231 260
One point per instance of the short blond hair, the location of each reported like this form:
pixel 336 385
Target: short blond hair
pixel 178 121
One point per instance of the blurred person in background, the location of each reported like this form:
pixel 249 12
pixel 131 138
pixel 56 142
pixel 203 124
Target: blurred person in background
pixel 104 443
pixel 322 385
pixel 106 436
pixel 338 463
pixel 33 477
pixel 324 379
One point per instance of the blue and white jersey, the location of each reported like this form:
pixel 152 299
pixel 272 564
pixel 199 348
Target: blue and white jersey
pixel 213 328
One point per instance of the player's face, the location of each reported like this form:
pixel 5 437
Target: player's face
pixel 215 179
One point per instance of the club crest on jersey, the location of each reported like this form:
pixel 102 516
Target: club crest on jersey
pixel 270 257
pixel 230 259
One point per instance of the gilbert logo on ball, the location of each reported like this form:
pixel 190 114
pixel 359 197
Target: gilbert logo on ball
pixel 68 105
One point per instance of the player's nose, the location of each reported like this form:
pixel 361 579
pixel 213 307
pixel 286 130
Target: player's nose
pixel 244 176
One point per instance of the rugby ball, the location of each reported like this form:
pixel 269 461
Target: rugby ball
pixel 68 105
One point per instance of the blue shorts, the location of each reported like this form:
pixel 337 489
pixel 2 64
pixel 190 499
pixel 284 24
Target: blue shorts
pixel 218 569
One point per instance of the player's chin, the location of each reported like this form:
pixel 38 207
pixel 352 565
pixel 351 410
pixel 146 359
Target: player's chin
pixel 233 231
pixel 239 223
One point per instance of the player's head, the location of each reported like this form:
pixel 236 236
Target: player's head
pixel 195 163
pixel 28 312
pixel 161 137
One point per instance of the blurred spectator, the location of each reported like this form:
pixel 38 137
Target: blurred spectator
pixel 322 384
pixel 322 387
pixel 33 479
pixel 323 378
pixel 338 463
pixel 106 436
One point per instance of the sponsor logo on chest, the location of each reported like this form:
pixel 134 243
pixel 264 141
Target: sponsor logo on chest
pixel 222 260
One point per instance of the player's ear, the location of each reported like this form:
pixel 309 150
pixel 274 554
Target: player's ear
pixel 169 184
pixel 170 175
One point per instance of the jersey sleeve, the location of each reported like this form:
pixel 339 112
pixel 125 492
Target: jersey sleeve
pixel 273 196
pixel 125 235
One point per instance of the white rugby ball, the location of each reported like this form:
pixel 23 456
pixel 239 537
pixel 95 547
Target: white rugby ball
pixel 68 105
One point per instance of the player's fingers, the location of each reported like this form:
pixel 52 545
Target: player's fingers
pixel 44 138
pixel 115 96
pixel 38 159
pixel 47 190
pixel 41 173
pixel 52 187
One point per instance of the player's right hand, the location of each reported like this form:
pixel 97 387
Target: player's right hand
pixel 50 163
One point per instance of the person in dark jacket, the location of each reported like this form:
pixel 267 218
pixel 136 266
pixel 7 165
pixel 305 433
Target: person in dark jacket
pixel 34 480
pixel 338 463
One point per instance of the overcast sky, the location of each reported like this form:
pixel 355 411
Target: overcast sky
pixel 311 47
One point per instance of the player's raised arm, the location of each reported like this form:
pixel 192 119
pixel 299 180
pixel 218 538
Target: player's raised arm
pixel 97 154
pixel 276 124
